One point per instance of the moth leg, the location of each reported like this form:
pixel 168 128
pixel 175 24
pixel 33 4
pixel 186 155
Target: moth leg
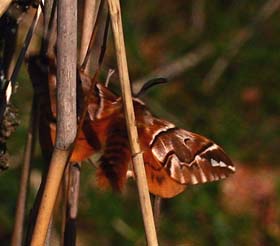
pixel 109 75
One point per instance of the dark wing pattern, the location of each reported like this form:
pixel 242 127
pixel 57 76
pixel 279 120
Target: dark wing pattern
pixel 191 158
pixel 176 158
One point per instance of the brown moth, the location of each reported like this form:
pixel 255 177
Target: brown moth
pixel 174 158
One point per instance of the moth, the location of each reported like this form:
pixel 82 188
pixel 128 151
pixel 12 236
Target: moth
pixel 174 158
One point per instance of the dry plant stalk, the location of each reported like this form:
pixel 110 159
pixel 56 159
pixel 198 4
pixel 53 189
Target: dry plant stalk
pixel 64 199
pixel 49 31
pixel 68 223
pixel 73 188
pixel 10 84
pixel 4 4
pixel 66 115
pixel 89 18
pixel 137 156
pixel 157 209
pixel 57 166
pixel 25 173
pixel 98 43
pixel 94 22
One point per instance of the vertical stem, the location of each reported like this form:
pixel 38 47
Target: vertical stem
pixel 4 4
pixel 57 166
pixel 93 38
pixel 66 114
pixel 137 156
pixel 10 34
pixel 48 42
pixel 6 91
pixel 66 73
pixel 99 39
pixel 72 205
pixel 64 198
pixel 89 18
pixel 157 208
pixel 25 173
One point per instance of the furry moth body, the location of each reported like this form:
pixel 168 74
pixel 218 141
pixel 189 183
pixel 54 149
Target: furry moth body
pixel 174 158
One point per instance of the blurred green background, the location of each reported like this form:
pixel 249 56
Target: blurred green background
pixel 241 112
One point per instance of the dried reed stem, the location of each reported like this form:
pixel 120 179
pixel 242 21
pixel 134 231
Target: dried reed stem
pixel 89 19
pixel 157 210
pixel 25 173
pixel 66 115
pixel 137 156
pixel 49 32
pixel 72 204
pixel 7 88
pixel 57 166
pixel 4 4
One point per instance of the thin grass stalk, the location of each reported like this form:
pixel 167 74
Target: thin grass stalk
pixel 64 197
pixel 70 233
pixel 92 40
pixel 17 236
pixel 137 156
pixel 47 44
pixel 4 4
pixel 89 20
pixel 157 210
pixel 50 11
pixel 9 85
pixel 57 166
pixel 99 42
